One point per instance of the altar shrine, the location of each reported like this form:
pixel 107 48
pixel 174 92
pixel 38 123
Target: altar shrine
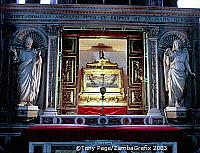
pixel 111 59
pixel 102 76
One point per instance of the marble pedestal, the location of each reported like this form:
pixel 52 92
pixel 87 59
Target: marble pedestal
pixel 154 112
pixel 156 116
pixel 176 112
pixel 27 113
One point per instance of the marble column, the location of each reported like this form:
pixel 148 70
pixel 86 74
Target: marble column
pixel 53 43
pixel 152 42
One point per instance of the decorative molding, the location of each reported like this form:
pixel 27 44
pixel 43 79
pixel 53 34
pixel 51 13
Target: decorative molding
pixel 136 47
pixel 69 45
pixel 55 18
pixel 99 120
pixel 136 74
pixel 99 9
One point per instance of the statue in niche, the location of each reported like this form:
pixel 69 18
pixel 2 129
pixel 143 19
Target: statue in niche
pixel 176 68
pixel 29 72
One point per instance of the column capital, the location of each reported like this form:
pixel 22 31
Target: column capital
pixel 53 29
pixel 153 32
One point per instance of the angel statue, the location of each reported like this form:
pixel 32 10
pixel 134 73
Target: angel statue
pixel 176 68
pixel 29 72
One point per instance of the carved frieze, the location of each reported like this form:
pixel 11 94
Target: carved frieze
pixel 55 18
pixel 97 9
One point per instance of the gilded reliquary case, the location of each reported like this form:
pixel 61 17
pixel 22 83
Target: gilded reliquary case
pixel 102 73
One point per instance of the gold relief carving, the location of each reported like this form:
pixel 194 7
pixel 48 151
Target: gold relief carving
pixel 69 70
pixel 136 70
pixel 111 99
pixel 136 74
pixel 110 81
pixel 93 79
pixel 135 99
pixel 68 97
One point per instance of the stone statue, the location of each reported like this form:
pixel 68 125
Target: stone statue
pixel 29 73
pixel 176 68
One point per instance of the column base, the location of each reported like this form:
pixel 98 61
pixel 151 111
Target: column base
pixel 156 116
pixel 50 112
pixel 27 113
pixel 154 112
